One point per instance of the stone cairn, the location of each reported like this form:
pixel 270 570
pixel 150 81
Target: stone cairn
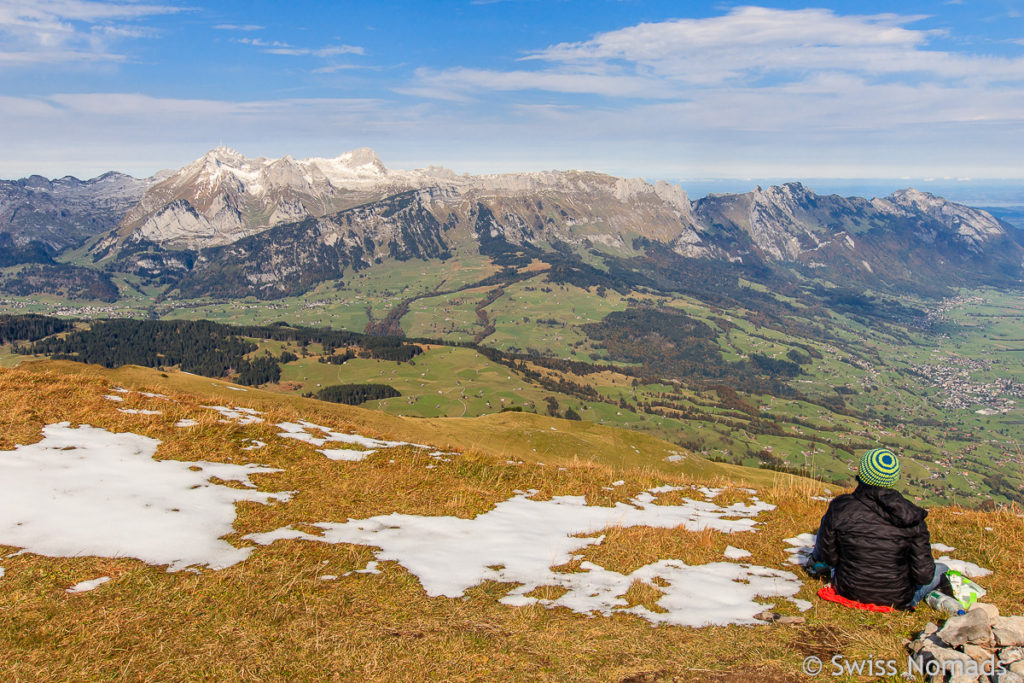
pixel 977 647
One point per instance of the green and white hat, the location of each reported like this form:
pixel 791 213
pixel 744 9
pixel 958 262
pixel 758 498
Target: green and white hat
pixel 879 467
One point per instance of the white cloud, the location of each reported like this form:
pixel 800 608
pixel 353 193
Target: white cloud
pixel 239 27
pixel 57 31
pixel 750 47
pixel 757 88
pixel 276 47
pixel 329 51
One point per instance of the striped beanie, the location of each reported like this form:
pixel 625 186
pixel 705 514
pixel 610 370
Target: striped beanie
pixel 879 467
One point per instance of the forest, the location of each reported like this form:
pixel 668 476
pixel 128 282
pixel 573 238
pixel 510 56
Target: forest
pixel 197 346
pixel 354 394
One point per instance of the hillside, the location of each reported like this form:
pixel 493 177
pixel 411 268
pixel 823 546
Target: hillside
pixel 332 541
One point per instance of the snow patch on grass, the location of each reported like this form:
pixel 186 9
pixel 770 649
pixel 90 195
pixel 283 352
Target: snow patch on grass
pixel 84 586
pixel 318 435
pixel 521 539
pixel 243 416
pixel 800 548
pixel 88 491
pixel 732 553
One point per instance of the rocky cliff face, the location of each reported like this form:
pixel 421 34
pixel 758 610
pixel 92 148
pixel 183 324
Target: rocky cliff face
pixel 53 215
pixel 224 197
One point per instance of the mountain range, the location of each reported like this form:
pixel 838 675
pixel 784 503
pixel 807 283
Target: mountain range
pixel 227 225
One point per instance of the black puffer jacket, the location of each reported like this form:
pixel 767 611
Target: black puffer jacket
pixel 878 543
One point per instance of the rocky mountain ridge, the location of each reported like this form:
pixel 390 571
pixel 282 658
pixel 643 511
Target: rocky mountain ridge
pixel 223 196
pixel 52 215
pixel 232 225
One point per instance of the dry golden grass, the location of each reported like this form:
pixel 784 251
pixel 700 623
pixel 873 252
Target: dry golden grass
pixel 272 618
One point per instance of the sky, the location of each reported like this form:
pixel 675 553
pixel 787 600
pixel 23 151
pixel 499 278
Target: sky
pixel 676 90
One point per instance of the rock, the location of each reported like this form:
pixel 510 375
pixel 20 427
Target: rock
pixel 1011 654
pixel 1008 677
pixel 977 653
pixel 989 608
pixel 925 642
pixel 972 627
pixel 1008 631
pixel 946 661
pixel 1017 668
pixel 776 618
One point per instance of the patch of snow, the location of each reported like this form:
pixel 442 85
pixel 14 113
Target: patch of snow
pixel 943 548
pixel 84 586
pixel 520 539
pixel 821 498
pixel 732 553
pixel 1 572
pixel 186 422
pixel 674 458
pixel 242 416
pixel 237 388
pixel 121 390
pixel 137 411
pixel 301 431
pixel 111 397
pixel 328 577
pixel 709 493
pixel 106 496
pixel 254 444
pixel 620 482
pixel 370 568
pixel 800 548
pixel 968 569
pixel 346 454
pixel 151 395
pixel 802 605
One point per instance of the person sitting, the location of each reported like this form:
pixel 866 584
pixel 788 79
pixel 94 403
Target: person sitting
pixel 875 542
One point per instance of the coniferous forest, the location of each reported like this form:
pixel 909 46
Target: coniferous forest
pixel 197 346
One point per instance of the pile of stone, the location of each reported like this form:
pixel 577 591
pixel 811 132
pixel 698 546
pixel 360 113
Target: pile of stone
pixel 977 647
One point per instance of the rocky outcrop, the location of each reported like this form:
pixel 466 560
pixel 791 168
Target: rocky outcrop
pixel 973 647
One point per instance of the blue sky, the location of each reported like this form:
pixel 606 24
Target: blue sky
pixel 672 90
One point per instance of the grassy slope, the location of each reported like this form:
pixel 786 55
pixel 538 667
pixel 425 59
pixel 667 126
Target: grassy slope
pixel 522 436
pixel 271 618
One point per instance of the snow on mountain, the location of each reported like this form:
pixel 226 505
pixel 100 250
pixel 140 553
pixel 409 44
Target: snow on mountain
pixel 224 196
